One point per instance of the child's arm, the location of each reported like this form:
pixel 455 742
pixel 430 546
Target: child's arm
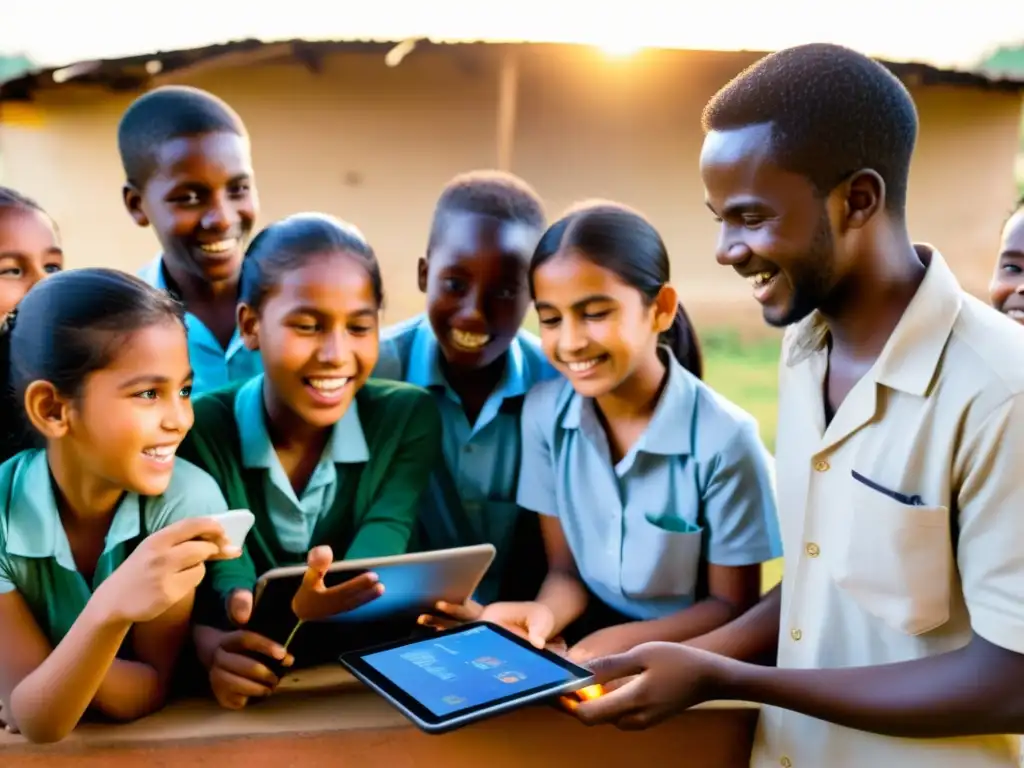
pixel 732 592
pixel 134 689
pixel 388 524
pixel 740 532
pixel 562 591
pixel 48 690
pixel 562 597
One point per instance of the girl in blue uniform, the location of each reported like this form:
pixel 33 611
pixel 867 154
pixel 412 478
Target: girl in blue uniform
pixel 655 492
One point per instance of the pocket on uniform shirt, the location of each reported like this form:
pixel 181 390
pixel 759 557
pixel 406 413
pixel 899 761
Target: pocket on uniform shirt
pixel 661 558
pixel 895 559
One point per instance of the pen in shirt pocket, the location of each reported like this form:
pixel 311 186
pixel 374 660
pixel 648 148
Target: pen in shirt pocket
pixel 902 498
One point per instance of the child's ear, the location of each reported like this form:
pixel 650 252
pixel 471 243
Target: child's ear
pixel 47 410
pixel 249 326
pixel 666 305
pixel 422 268
pixel 133 204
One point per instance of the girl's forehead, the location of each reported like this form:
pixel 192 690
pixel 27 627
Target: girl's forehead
pixel 330 267
pixel 17 222
pixel 337 283
pixel 572 272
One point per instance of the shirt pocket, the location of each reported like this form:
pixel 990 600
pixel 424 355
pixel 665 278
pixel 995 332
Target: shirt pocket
pixel 895 559
pixel 661 557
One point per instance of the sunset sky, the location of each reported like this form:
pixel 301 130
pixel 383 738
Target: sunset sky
pixel 954 33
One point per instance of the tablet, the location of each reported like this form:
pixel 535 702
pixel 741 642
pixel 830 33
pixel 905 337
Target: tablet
pixel 413 583
pixel 462 675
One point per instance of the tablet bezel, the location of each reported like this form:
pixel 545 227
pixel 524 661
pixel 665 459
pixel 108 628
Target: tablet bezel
pixel 355 662
pixel 266 618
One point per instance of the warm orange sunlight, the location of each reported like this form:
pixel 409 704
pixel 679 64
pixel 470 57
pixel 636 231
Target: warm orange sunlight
pixel 620 49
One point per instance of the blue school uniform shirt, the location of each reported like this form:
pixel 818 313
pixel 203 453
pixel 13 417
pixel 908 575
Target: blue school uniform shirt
pixel 214 366
pixel 472 498
pixel 697 484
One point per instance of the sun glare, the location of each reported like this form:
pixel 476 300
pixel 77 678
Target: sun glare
pixel 620 49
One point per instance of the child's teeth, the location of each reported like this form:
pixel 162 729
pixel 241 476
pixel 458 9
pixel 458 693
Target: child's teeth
pixel 328 385
pixel 585 365
pixel 162 453
pixel 221 247
pixel 469 340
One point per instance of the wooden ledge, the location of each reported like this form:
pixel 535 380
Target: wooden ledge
pixel 325 712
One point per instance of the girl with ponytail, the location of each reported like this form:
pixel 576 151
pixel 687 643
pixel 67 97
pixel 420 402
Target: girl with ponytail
pixel 655 492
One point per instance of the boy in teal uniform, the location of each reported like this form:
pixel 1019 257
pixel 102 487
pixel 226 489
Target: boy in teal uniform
pixel 470 352
pixel 188 175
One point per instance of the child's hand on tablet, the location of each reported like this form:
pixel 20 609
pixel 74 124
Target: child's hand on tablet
pixel 530 620
pixel 314 600
pixel 236 677
pixel 236 674
pixel 452 615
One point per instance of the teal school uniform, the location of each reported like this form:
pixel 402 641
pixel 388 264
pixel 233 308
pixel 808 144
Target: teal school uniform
pixel 35 556
pixel 214 366
pixel 471 499
pixel 698 483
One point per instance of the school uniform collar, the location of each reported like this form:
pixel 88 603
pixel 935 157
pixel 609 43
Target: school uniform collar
pixel 425 364
pixel 668 433
pixel 155 274
pixel 911 356
pixel 347 444
pixel 34 529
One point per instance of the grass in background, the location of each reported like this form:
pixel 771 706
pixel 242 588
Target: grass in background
pixel 746 372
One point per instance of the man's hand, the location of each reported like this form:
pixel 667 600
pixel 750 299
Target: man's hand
pixel 667 678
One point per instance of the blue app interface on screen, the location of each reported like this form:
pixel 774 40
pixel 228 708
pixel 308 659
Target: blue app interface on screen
pixel 465 670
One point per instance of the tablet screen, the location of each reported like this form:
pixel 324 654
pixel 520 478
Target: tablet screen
pixel 462 670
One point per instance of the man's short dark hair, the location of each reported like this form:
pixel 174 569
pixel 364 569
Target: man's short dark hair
pixel 833 112
pixel 497 194
pixel 166 113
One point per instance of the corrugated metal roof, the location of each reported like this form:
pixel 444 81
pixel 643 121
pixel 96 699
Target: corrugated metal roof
pixel 132 72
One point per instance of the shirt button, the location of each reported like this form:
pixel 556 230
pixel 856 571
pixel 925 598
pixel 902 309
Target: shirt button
pixel 813 550
pixel 796 634
pixel 821 466
pixel 785 762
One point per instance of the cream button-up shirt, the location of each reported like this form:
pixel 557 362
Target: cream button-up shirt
pixel 903 518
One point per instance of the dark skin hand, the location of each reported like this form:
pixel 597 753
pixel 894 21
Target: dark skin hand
pixel 972 691
pixel 235 676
